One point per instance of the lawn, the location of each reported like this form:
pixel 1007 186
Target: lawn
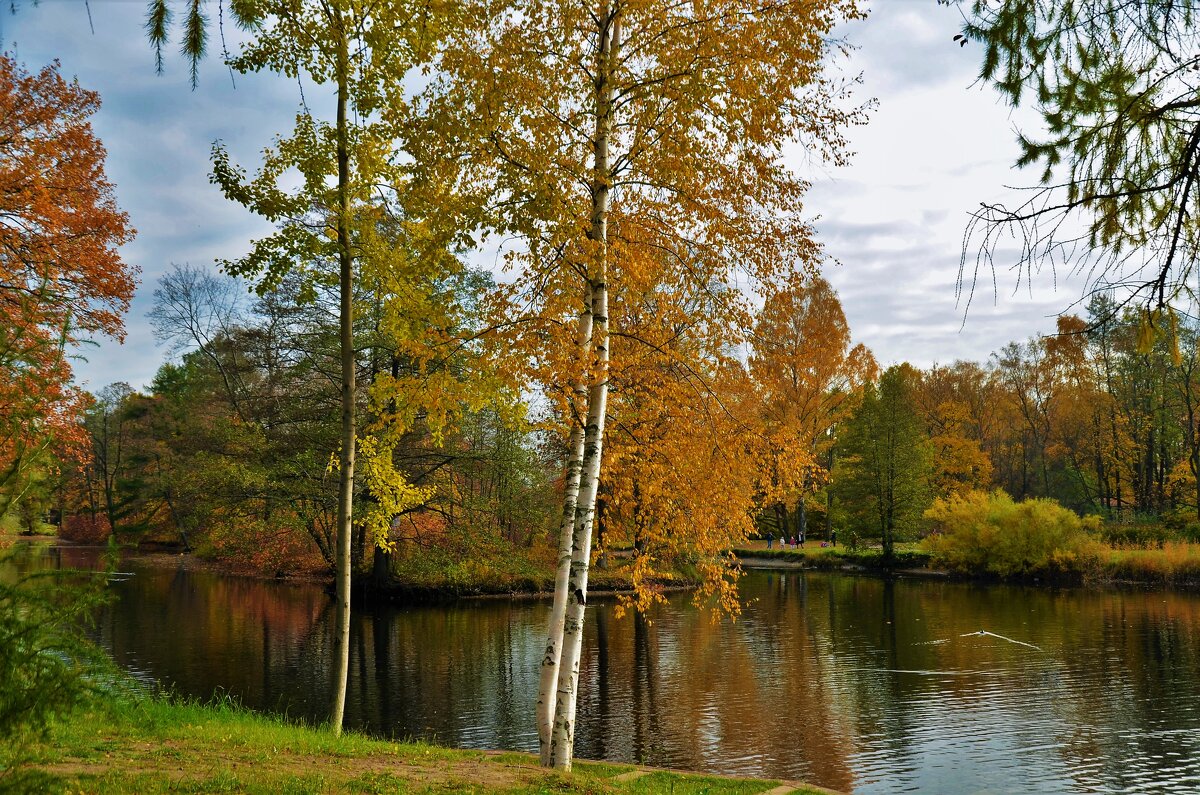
pixel 139 744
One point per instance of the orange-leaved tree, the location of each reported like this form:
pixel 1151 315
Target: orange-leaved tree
pixel 62 279
pixel 662 120
pixel 957 405
pixel 680 468
pixel 807 376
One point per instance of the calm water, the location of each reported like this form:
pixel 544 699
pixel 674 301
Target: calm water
pixel 854 683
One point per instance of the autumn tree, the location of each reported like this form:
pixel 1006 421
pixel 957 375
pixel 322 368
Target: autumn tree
pixel 1185 382
pixel 808 377
pixel 615 127
pixel 62 280
pixel 883 478
pixel 681 470
pixel 954 402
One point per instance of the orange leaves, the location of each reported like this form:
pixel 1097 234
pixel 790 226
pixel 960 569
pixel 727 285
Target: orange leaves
pixel 702 99
pixel 60 223
pixel 634 149
pixel 807 377
pixel 61 277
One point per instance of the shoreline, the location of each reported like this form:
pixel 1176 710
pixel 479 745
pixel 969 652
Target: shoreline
pixel 165 558
pixel 908 564
pixel 869 562
pixel 144 744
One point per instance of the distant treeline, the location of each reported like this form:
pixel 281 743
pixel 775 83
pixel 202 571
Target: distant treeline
pixel 229 451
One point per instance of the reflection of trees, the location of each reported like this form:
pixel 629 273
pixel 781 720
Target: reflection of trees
pixel 806 684
pixel 647 737
pixel 598 726
pixel 382 653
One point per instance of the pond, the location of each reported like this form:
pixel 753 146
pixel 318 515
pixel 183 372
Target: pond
pixel 854 683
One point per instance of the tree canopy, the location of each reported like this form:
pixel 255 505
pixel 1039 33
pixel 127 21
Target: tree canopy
pixel 1114 85
pixel 62 279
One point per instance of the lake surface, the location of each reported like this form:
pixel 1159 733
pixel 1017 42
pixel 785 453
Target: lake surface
pixel 855 683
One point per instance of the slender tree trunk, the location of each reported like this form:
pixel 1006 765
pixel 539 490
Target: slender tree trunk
pixel 801 517
pixel 187 547
pixel 1195 459
pixel 548 680
pixel 829 503
pixel 601 507
pixel 346 335
pixel 563 737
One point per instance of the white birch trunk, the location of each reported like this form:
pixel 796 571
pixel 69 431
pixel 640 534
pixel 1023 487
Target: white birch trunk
pixel 550 662
pixel 563 738
pixel 346 334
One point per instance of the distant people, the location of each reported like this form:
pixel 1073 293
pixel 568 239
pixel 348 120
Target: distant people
pixel 800 538
pixel 770 539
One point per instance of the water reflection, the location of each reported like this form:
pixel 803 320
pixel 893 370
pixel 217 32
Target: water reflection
pixel 853 683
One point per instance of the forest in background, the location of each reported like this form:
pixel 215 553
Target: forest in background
pixel 223 453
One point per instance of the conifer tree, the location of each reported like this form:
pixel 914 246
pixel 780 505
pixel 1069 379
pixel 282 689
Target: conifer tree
pixel 1116 86
pixel 883 477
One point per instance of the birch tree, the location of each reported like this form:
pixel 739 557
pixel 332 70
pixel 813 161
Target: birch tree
pixel 600 129
pixel 351 181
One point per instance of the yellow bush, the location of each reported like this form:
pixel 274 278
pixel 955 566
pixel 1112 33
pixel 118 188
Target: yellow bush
pixel 978 533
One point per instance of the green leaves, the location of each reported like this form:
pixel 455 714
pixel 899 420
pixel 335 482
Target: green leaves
pixel 158 24
pixel 1115 86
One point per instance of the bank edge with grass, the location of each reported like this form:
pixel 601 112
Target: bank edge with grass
pixel 991 537
pixel 144 744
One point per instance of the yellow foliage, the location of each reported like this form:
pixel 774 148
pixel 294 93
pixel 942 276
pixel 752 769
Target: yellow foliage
pixel 977 532
pixel 391 491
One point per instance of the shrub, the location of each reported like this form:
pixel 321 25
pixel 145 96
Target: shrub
pixel 85 528
pixel 46 667
pixel 1137 534
pixel 1178 518
pixel 990 533
pixel 277 547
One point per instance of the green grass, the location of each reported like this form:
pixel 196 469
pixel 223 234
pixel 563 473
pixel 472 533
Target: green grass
pixel 138 744
pixel 907 556
pixel 10 525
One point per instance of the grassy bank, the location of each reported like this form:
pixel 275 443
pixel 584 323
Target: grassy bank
pixel 1175 563
pixel 439 573
pixel 814 556
pixel 147 745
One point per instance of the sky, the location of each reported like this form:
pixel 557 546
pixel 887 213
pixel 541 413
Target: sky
pixel 892 221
